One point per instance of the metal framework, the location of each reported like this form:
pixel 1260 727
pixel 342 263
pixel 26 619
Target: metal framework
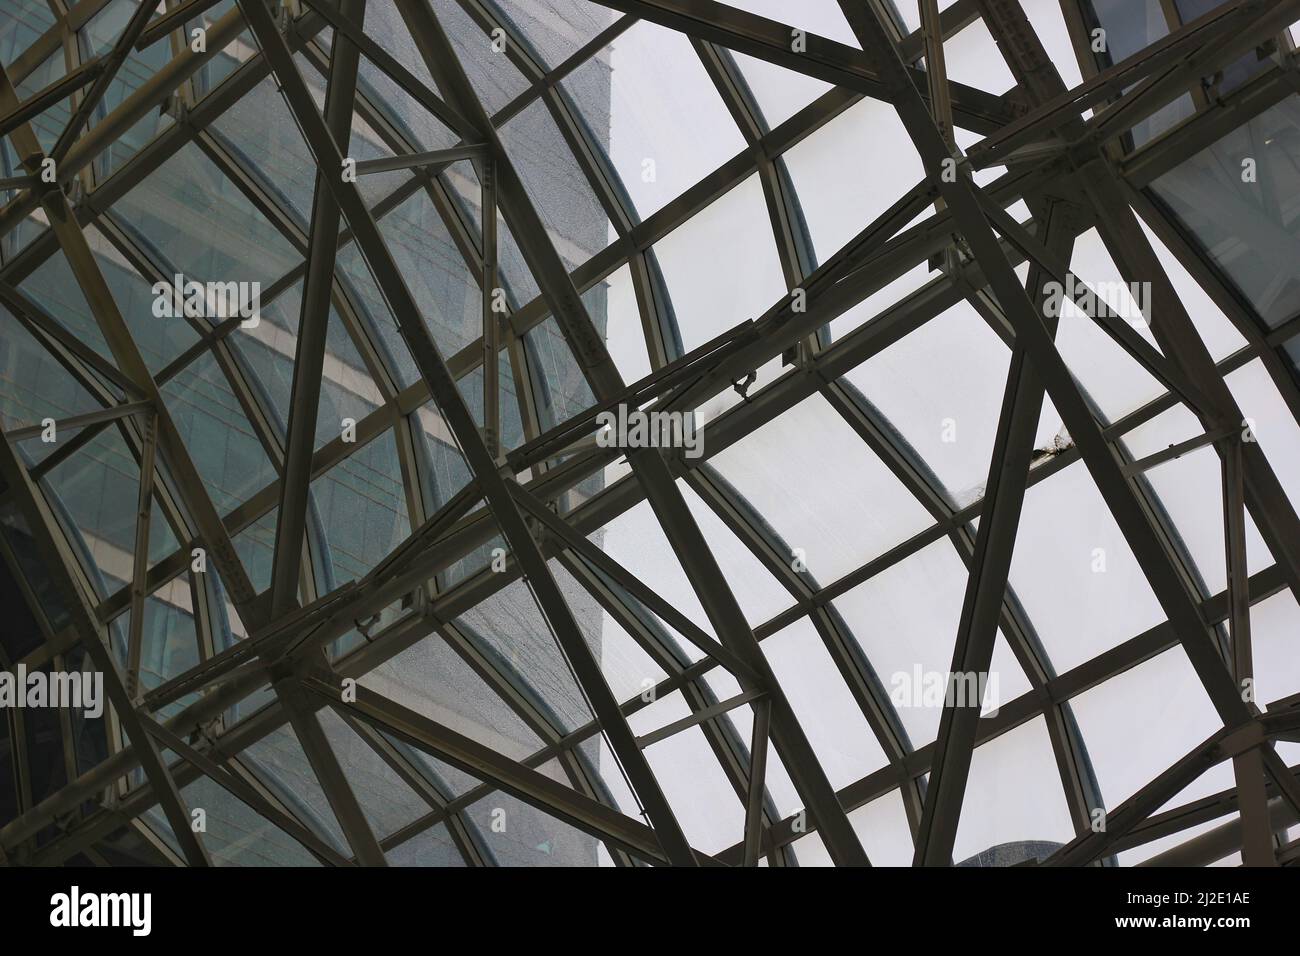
pixel 294 657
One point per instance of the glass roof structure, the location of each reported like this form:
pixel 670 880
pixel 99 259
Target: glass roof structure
pixel 651 432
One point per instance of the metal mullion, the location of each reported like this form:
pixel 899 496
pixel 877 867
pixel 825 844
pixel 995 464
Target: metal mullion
pixel 988 583
pixel 1252 800
pixel 87 147
pixel 665 498
pixel 1266 498
pixel 112 63
pixel 1228 300
pixel 490 328
pixel 140 557
pixel 172 21
pixel 757 782
pixel 422 178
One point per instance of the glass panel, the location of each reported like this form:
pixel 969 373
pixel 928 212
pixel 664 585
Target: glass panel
pixel 779 93
pixel 721 266
pixel 431 679
pixel 1249 225
pixel 664 125
pixel 1074 573
pixel 556 29
pixel 433 847
pixel 1133 731
pixel 788 467
pixel 557 185
pixel 225 450
pixel 701 796
pixel 362 508
pixel 1014 809
pixel 941 387
pixel 840 735
pixel 905 619
pixel 839 199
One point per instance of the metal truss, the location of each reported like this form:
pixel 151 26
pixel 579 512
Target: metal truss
pixel 306 646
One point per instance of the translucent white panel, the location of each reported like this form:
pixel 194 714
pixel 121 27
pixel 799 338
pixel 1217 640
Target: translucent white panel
pixel 882 827
pixel 973 58
pixel 839 199
pixel 780 93
pixel 941 387
pixel 1190 488
pixel 721 265
pixel 822 17
pixel 636 541
pixel 666 128
pixel 1074 573
pixel 1048 22
pixel 701 796
pixel 811 851
pixel 759 593
pixel 789 468
pixel 906 620
pixel 827 712
pixel 1170 427
pixel 1013 795
pixel 911 15
pixel 1111 377
pixel 1141 722
pixel 1275 644
pixel 615 298
pixel 628 669
pixel 1271 422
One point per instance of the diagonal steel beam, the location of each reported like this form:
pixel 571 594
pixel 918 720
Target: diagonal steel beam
pixel 474 758
pixel 329 773
pixel 313 328
pixel 819 57
pixel 986 586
